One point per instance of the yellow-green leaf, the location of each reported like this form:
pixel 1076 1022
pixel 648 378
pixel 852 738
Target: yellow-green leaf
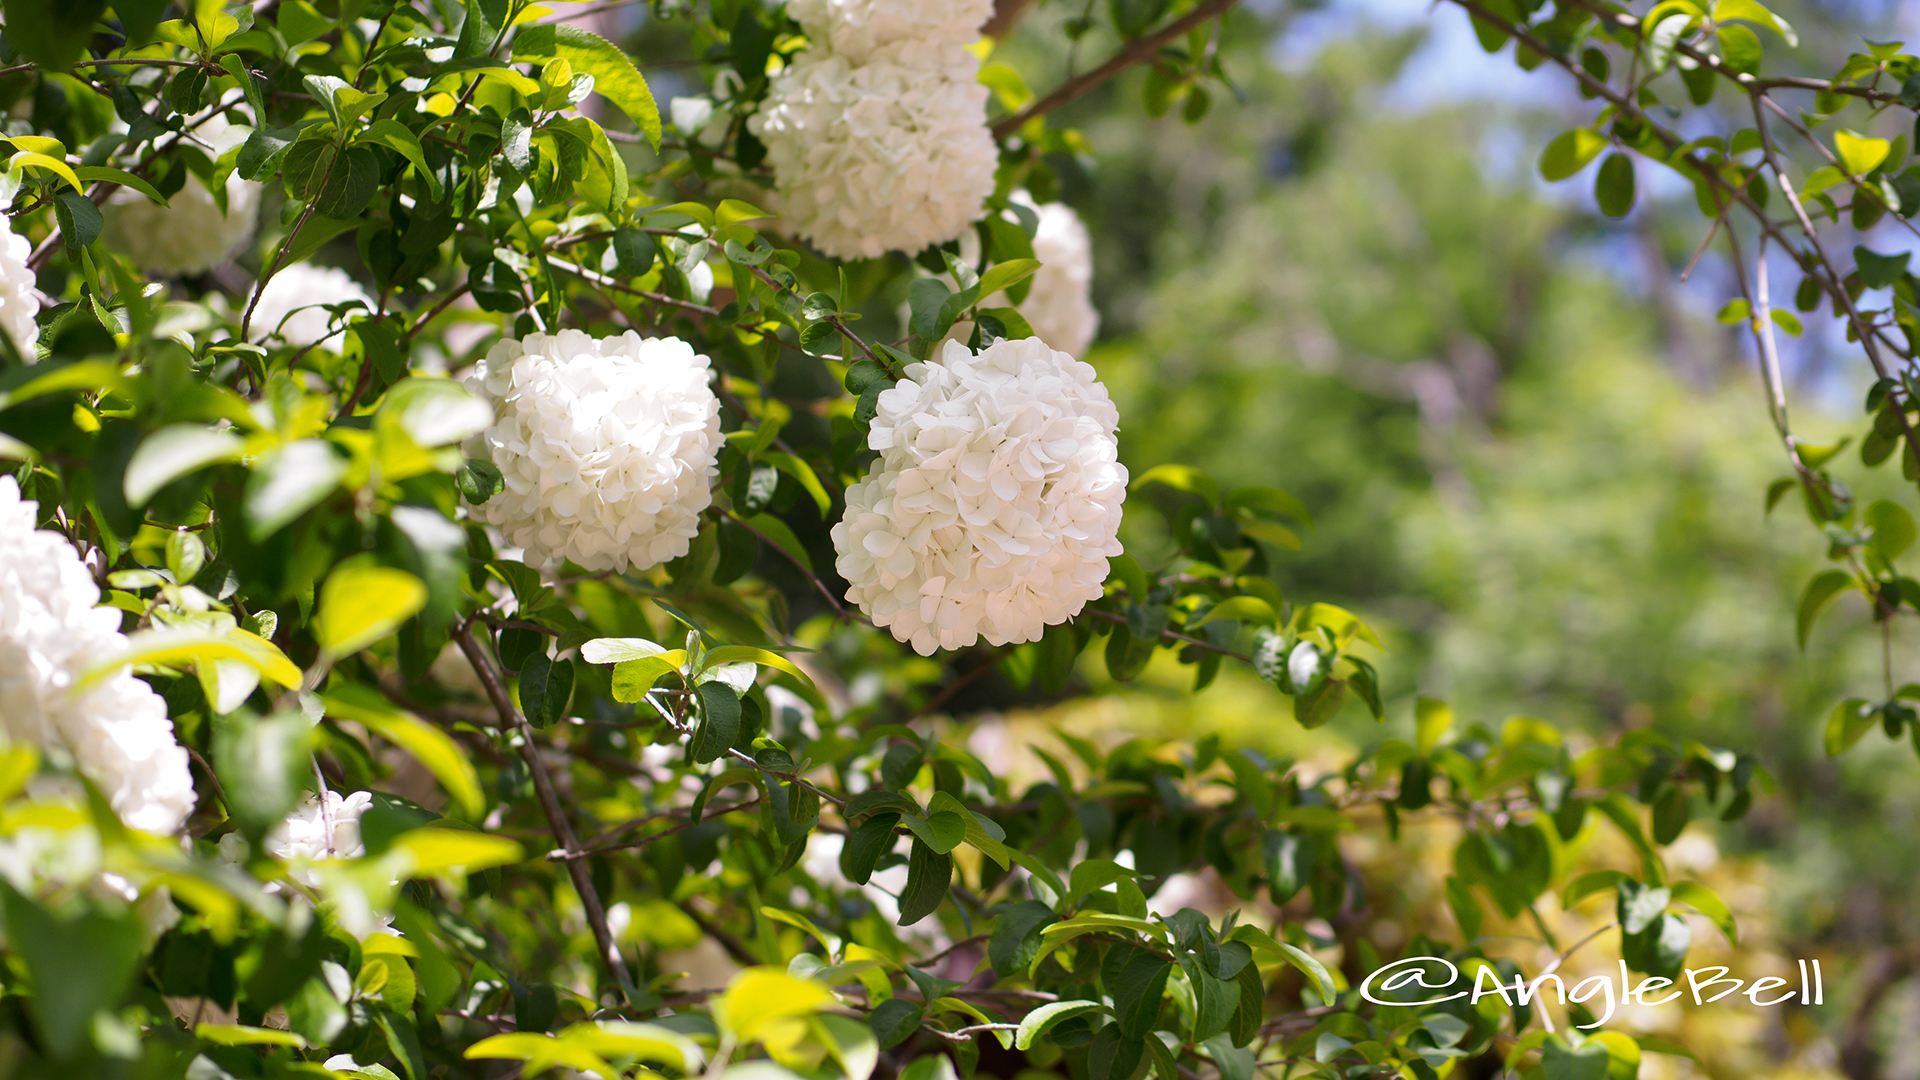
pixel 359 605
pixel 428 745
pixel 238 1035
pixel 28 159
pixel 436 851
pixel 1570 152
pixel 1753 11
pixel 614 76
pixel 1861 154
pixel 759 998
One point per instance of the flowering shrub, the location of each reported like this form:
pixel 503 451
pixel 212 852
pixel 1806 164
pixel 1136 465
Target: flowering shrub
pixel 634 790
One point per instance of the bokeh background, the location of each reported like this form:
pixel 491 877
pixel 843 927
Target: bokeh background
pixel 1537 462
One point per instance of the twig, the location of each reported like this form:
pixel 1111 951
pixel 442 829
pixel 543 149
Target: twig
pixel 839 610
pixel 1133 52
pixel 601 849
pixel 549 804
pixel 1164 634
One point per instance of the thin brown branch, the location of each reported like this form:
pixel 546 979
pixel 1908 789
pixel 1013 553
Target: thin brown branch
pixel 511 719
pixel 1171 635
pixel 1133 52
pixel 622 845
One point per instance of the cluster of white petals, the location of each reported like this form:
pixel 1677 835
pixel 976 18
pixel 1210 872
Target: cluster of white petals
pixel 320 829
pixel 995 503
pixel 920 33
pixel 19 306
pixel 879 156
pixel 187 236
pixel 293 306
pixel 607 446
pixel 51 631
pixel 877 131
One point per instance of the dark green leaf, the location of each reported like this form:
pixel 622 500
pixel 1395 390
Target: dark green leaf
pixel 1135 979
pixel 1659 949
pixel 894 1020
pixel 1613 185
pixel 80 963
pixel 929 873
pixel 1016 937
pixel 866 846
pixel 719 722
pixel 1112 1056
pixel 52 33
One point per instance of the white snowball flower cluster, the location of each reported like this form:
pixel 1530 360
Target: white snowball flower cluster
pixel 607 446
pixel 877 133
pixel 189 235
pixel 50 632
pixel 317 829
pixel 293 306
pixel 995 504
pixel 19 307
pixel 932 32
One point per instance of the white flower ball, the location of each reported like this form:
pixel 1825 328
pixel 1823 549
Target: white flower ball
pixel 877 157
pixel 606 444
pixel 320 830
pixel 50 632
pixel 293 306
pixel 189 235
pixel 995 504
pixel 928 34
pixel 19 306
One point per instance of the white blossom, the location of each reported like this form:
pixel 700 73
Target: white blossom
pixel 320 829
pixel 607 446
pixel 116 729
pixel 293 306
pixel 879 156
pixel 928 34
pixel 19 304
pixel 188 236
pixel 995 503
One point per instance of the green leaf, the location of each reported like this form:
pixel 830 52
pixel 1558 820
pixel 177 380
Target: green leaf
pixel 942 831
pixel 866 846
pixel 929 874
pixel 1849 720
pixel 359 605
pixel 240 1035
pixel 1753 11
pixel 895 1020
pixel 1311 968
pixel 1824 586
pixel 719 721
pixel 1570 152
pixel 1136 980
pixel 1879 271
pixel 1893 529
pixel 173 452
pixel 392 134
pixel 1040 1020
pixel 545 687
pixel 1740 48
pixel 1660 949
pixel 1588 884
pixel 1182 478
pixel 1114 1056
pixel 1016 936
pixel 1613 185
pixel 300 22
pixel 1861 154
pixel 1706 902
pixel 1735 312
pixel 80 964
pixel 782 537
pixel 1002 276
pixel 427 744
pixel 1588 1061
pixel 1433 718
pixel 289 480
pixel 438 852
pixel 633 678
pixel 52 33
pixel 1638 905
pixel 614 76
pixel 1090 875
